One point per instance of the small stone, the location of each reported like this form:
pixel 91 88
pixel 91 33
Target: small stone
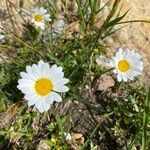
pixel 78 137
pixel 103 83
pixel 43 146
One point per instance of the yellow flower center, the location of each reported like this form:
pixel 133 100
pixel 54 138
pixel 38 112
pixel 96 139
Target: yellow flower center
pixel 123 66
pixel 38 17
pixel 43 86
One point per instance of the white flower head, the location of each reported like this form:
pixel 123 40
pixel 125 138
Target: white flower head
pixel 40 84
pixel 127 64
pixel 40 16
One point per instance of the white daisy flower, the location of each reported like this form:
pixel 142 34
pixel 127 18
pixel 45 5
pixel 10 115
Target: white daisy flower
pixel 39 16
pixel 40 84
pixel 127 64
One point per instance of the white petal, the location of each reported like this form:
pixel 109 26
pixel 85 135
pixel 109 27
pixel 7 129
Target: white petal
pixel 53 96
pixel 119 77
pixel 42 10
pixel 56 72
pixel 135 72
pixel 120 54
pixel 130 76
pixel 140 68
pixel 137 56
pixel 55 68
pixel 32 102
pixel 56 77
pixel 36 71
pixel 26 86
pixel 124 77
pixel 45 70
pixel 31 97
pixel 115 71
pixel 60 88
pixel 61 81
pixel 120 50
pixel 39 106
pixel 40 66
pixel 137 64
pixel 46 104
pixel 47 17
pixel 42 26
pixel 40 63
pixel 27 76
pixel 42 105
pixel 29 71
pixel 36 10
pixel 26 90
pixel 25 82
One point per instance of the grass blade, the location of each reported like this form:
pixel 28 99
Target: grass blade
pixel 145 121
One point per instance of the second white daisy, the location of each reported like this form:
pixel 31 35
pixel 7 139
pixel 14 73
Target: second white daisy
pixel 41 83
pixel 40 16
pixel 127 64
